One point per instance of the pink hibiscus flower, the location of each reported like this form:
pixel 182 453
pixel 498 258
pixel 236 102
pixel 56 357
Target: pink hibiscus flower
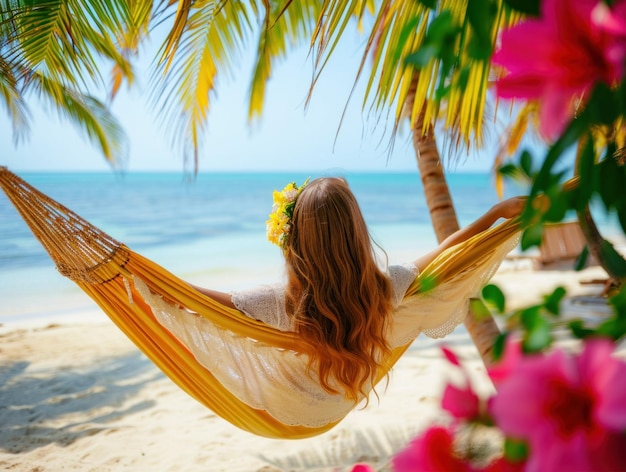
pixel 570 410
pixel 430 452
pixel 558 58
pixel 433 451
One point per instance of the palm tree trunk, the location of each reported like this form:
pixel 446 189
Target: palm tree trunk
pixel 483 330
pixel 595 240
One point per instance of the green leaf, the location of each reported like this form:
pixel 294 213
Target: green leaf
pixel 463 77
pixel 531 236
pixel 613 260
pixel 498 346
pixel 578 329
pixel 611 181
pixel 538 334
pixel 423 55
pixel 439 43
pixel 614 328
pixel 581 260
pixel 432 4
pixel 494 297
pixel 526 163
pixel 442 91
pixel 480 14
pixel 528 7
pixel 479 49
pixel 509 170
pixel 586 171
pixel 404 35
pixel 558 204
pixel 621 216
pixel 552 301
pixel 618 301
pixel 442 27
pixel 479 309
pixel 529 315
pixel 428 282
pixel 602 108
pixel 539 337
pixel 571 135
pixel 515 450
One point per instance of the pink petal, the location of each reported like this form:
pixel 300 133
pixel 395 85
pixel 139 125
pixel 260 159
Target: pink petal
pixel 523 86
pixel 608 455
pixel 555 112
pixel 363 468
pixel 432 451
pixel 518 407
pixel 606 376
pixel 612 20
pixel 462 403
pixel 451 356
pixel 550 453
pixel 517 41
pixel 502 465
pixel 560 56
pixel 503 368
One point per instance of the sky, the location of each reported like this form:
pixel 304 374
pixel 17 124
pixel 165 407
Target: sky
pixel 286 137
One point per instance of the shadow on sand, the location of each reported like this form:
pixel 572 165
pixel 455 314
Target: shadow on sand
pixel 42 405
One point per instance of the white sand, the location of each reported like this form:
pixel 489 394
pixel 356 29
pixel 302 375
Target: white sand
pixel 79 396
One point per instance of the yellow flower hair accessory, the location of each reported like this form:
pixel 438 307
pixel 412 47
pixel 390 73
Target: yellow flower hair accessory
pixel 279 223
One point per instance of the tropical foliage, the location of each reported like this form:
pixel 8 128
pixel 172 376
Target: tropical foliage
pixel 556 409
pixel 55 51
pixel 58 49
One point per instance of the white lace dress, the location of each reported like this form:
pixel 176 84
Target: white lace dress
pixel 267 302
pixel 264 377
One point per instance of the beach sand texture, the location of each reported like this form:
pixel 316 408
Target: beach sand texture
pixel 76 395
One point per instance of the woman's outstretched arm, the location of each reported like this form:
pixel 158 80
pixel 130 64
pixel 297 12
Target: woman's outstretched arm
pixel 220 297
pixel 506 209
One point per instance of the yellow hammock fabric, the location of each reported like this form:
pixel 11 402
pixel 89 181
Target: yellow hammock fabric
pixel 250 374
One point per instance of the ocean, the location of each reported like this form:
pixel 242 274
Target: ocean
pixel 209 230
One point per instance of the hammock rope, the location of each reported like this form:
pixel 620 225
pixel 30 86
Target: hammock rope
pixel 110 273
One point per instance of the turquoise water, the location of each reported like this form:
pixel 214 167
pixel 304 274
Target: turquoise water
pixel 210 231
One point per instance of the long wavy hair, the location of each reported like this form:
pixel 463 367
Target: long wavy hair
pixel 338 297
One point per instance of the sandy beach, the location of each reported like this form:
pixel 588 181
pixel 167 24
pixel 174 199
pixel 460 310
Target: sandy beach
pixel 76 395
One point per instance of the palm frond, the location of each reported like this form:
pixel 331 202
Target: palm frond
pixel 64 39
pixel 212 37
pixel 136 28
pixel 137 20
pixel 89 113
pixel 399 29
pixel 284 26
pixel 12 99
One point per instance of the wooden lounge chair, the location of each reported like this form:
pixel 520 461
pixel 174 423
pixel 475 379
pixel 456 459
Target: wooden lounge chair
pixel 561 245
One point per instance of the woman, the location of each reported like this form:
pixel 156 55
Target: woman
pixel 337 298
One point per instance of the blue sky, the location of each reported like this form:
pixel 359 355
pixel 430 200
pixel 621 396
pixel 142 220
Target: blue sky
pixel 287 137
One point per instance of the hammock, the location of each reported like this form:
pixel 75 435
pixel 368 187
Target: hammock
pixel 250 374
